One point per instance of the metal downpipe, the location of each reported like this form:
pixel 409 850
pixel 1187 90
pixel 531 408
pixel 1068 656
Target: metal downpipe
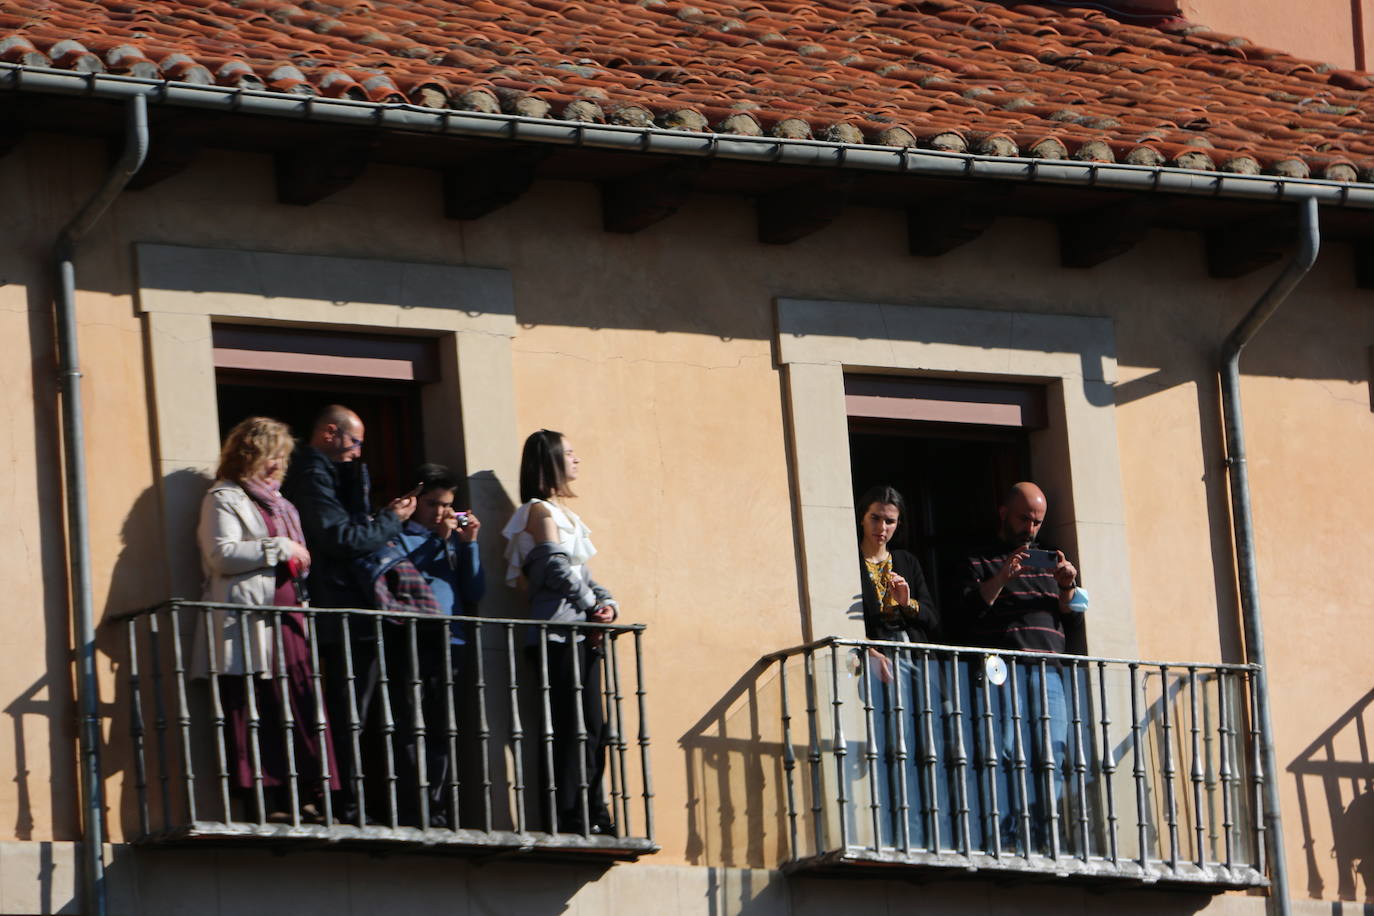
pixel 78 536
pixel 1243 524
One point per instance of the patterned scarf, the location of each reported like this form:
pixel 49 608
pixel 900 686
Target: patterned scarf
pixel 268 495
pixel 403 588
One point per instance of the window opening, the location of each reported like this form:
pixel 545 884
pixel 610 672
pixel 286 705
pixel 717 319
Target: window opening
pixel 952 472
pixel 258 371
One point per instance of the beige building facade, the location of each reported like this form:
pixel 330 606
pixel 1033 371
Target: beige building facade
pixel 702 376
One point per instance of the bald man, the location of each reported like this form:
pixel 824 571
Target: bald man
pixel 328 484
pixel 1014 599
pixel 1008 602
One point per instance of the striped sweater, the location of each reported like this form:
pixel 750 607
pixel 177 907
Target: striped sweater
pixel 1025 616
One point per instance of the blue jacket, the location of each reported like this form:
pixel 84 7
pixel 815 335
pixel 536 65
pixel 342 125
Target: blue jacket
pixel 452 568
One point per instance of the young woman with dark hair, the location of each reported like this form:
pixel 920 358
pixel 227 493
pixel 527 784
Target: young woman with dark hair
pixel 550 546
pixel 897 602
pixel 905 685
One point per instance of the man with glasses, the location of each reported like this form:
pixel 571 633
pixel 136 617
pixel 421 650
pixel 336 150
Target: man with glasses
pixel 328 484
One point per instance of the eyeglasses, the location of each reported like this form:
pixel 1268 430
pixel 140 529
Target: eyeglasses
pixel 351 442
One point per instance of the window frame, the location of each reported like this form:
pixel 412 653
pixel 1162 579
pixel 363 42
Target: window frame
pixel 468 413
pixel 818 342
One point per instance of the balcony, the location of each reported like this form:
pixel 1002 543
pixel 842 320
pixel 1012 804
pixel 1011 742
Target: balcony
pixel 435 744
pixel 933 759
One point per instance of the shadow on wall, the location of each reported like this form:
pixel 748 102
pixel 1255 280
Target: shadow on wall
pixel 42 720
pixel 736 806
pixel 1338 768
pixel 138 580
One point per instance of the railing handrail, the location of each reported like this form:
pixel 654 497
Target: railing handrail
pixel 827 641
pixel 121 616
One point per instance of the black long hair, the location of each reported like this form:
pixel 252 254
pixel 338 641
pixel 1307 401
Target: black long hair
pixel 882 493
pixel 543 472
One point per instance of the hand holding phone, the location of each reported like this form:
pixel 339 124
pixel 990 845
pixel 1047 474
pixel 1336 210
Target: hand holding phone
pixel 1040 559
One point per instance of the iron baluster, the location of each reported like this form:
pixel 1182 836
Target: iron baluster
pixel 321 720
pixel 1170 800
pixel 929 759
pixel 483 726
pixel 288 720
pixel 789 760
pixel 160 720
pixel 1080 763
pixel 642 694
pixel 1108 764
pixel 517 734
pixel 1048 767
pixel 546 729
pixel 388 724
pixel 1138 771
pixel 211 619
pixel 870 746
pixel 136 732
pixel 960 755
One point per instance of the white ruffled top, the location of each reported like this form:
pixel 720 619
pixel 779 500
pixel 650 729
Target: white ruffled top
pixel 574 537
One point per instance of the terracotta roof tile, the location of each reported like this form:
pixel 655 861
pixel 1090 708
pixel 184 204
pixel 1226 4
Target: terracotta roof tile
pixel 1004 79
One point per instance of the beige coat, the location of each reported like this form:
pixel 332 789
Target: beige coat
pixel 240 565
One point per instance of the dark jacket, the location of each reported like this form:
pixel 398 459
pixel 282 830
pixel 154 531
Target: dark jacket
pixel 925 628
pixel 332 499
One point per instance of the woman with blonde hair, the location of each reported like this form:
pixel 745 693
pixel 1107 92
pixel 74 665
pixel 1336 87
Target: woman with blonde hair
pixel 253 552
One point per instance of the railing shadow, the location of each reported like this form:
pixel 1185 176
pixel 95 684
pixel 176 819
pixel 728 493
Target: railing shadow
pixel 736 812
pixel 1340 763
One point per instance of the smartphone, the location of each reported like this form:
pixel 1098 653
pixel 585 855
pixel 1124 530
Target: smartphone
pixel 1041 559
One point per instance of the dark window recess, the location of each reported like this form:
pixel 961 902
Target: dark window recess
pixel 388 400
pixel 952 475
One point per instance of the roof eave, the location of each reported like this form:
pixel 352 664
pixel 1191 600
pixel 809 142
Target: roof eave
pixel 663 141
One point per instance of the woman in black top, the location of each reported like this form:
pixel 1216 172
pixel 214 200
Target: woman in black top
pixel 897 603
pixel 905 685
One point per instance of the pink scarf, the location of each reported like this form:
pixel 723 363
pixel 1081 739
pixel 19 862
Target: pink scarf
pixel 268 496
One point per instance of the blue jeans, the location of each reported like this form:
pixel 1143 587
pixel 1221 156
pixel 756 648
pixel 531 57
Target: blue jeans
pixel 1024 708
pixel 909 722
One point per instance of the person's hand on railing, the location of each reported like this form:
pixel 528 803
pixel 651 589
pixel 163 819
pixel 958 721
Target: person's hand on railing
pixel 883 663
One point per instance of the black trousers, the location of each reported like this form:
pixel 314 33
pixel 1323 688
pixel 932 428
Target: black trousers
pixel 576 759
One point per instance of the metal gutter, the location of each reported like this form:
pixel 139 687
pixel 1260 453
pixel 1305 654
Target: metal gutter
pixel 1243 523
pixel 813 153
pixel 78 536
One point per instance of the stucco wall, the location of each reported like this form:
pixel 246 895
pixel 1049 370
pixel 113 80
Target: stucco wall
pixel 655 354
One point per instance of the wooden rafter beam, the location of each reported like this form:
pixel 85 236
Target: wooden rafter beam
pixel 482 184
pixel 794 212
pixel 307 175
pixel 938 225
pixel 638 201
pixel 1090 238
pixel 1241 248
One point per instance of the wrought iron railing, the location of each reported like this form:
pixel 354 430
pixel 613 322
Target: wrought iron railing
pixel 364 727
pixel 963 758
